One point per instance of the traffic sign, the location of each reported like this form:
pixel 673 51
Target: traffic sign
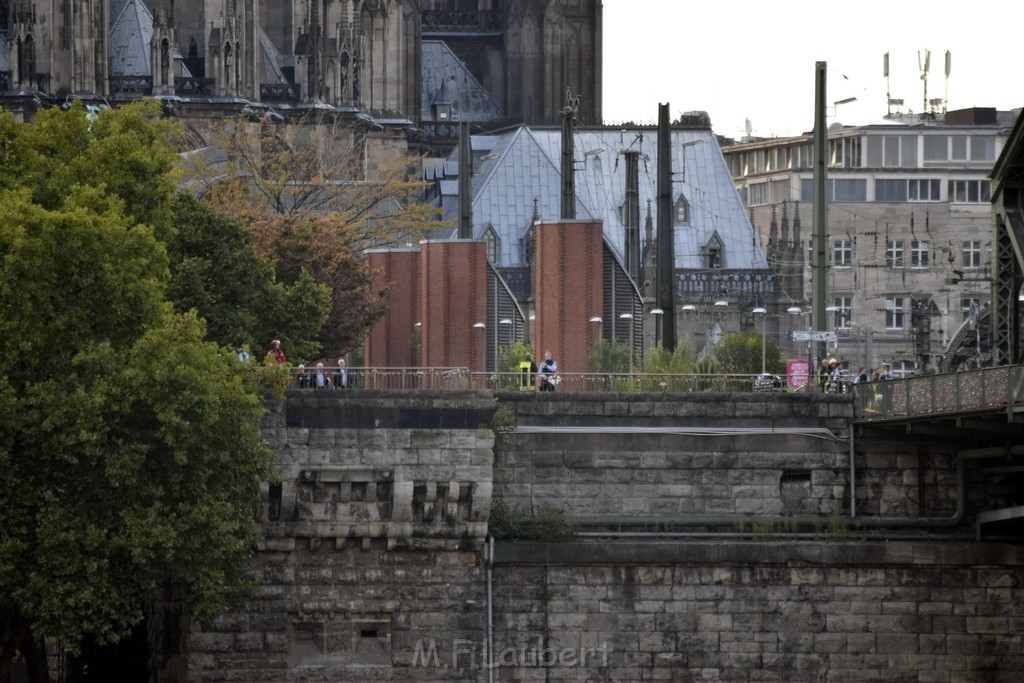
pixel 814 336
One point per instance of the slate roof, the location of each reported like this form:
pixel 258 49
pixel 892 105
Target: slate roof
pixel 523 165
pixel 131 31
pixel 5 51
pixel 270 61
pixel 441 68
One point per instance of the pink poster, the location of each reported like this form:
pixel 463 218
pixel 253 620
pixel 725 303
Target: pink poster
pixel 796 374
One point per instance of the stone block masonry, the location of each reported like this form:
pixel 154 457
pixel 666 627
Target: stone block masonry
pixel 372 563
pixel 759 611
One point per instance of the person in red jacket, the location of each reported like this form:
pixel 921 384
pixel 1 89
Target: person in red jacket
pixel 275 354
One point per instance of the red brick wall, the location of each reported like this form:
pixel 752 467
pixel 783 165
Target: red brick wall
pixel 567 283
pixel 453 296
pixel 390 342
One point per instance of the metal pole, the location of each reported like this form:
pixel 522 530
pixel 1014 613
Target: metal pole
pixel 568 166
pixel 819 280
pixel 764 332
pixel 666 238
pixel 465 183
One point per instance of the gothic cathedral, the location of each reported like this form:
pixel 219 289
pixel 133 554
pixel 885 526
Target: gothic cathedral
pixel 425 61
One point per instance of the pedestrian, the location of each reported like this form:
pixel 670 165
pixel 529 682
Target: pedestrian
pixel 340 378
pixel 862 376
pixel 823 374
pixel 547 371
pixel 320 379
pixel 244 357
pixel 835 377
pixel 302 378
pixel 275 356
pixel 887 372
pixel 527 374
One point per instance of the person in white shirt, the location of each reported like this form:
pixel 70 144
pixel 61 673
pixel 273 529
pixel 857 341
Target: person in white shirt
pixel 340 378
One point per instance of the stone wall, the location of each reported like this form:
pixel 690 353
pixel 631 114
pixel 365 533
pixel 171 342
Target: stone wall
pixel 373 563
pixel 760 611
pixel 715 454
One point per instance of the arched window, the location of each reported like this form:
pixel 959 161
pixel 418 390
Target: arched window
pixel 492 243
pixel 714 256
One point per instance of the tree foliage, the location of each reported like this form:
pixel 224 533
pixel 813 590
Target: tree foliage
pixel 739 353
pixel 216 271
pixel 314 204
pixel 130 445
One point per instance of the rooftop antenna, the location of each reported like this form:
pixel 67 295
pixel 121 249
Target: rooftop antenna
pixel 889 101
pixel 924 63
pixel 949 68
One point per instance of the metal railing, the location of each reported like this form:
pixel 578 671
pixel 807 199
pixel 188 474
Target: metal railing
pixel 462 378
pixel 971 390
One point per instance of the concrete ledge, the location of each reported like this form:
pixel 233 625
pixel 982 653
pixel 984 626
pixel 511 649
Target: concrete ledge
pixel 860 553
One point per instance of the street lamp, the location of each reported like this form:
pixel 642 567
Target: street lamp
pixel 764 322
pixel 657 325
pixel 632 340
pixel 483 345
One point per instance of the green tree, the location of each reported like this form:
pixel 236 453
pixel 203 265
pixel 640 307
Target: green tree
pixel 739 353
pixel 666 371
pixel 130 445
pixel 216 271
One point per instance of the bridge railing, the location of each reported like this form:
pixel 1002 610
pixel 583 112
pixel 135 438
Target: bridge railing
pixel 970 390
pixel 462 378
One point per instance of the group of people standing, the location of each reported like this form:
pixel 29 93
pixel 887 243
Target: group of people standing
pixel 547 372
pixel 319 378
pixel 830 376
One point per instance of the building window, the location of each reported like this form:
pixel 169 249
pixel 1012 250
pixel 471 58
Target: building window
pixel 757 194
pixel 920 254
pixel 682 211
pixel 936 148
pixel 923 190
pixel 971 254
pixel 969 308
pixel 970 191
pixel 890 190
pixel 844 152
pixel 843 306
pixel 842 253
pixel 903 368
pixel 492 244
pixel 894 313
pixel 959 148
pixel 892 151
pixel 837 189
pixel 983 149
pixel 894 253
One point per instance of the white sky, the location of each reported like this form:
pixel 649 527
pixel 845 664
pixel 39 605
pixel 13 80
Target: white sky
pixel 740 59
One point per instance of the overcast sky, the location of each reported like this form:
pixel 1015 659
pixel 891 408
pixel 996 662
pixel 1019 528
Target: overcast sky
pixel 744 60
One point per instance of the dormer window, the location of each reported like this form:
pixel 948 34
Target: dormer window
pixel 491 243
pixel 682 211
pixel 713 253
pixel 442 111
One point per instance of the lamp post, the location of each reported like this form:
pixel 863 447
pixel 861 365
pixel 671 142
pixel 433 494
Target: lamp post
pixel 483 345
pixel 764 323
pixel 632 340
pixel 796 310
pixel 657 312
